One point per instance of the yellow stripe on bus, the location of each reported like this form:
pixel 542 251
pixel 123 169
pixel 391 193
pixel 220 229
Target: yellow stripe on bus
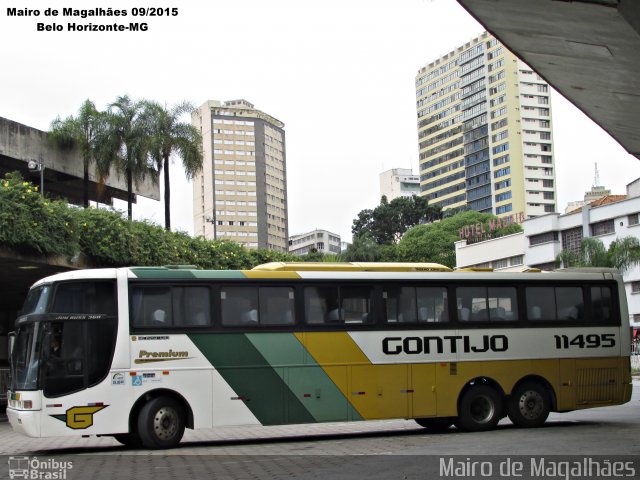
pixel 270 274
pixel 357 378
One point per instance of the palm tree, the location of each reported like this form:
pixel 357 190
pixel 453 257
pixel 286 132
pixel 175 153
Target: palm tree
pixel 168 135
pixel 623 254
pixel 79 131
pixel 125 142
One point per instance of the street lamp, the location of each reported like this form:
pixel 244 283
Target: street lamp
pixel 38 167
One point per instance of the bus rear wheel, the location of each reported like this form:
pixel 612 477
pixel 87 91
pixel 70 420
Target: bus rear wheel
pixel 161 423
pixel 529 405
pixel 441 424
pixel 479 409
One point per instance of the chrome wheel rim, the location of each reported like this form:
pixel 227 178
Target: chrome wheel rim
pixel 531 404
pixel 165 423
pixel 482 409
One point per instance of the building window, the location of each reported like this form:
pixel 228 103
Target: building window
pixel 543 238
pixel 504 209
pixel 633 219
pixel 548 195
pixel 550 208
pixel 602 228
pixel 635 287
pixel 571 239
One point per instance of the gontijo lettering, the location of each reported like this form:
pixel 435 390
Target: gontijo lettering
pixel 444 344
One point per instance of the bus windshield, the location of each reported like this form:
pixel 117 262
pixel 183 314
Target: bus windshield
pixel 65 344
pixel 25 358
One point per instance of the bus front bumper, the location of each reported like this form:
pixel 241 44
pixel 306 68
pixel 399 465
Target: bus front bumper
pixel 26 422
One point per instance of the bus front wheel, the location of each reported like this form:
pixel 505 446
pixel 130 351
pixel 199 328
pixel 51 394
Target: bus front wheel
pixel 161 423
pixel 480 409
pixel 529 405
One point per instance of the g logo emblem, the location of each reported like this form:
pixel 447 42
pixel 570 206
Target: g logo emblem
pixel 80 418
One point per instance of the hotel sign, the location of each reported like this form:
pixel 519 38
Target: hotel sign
pixel 484 230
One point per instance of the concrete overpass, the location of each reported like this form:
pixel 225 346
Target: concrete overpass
pixel 589 50
pixel 63 178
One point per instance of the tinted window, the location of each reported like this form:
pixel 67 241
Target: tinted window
pixel 602 307
pixel 569 303
pixel 253 306
pixel 337 305
pixel 559 303
pixel 85 297
pixel 151 306
pixel 191 306
pixel 416 305
pixel 319 302
pixel 484 304
pixel 165 306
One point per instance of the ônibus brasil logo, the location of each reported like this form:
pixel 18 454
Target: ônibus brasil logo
pixel 34 468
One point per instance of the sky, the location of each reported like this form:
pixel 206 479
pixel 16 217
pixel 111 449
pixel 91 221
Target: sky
pixel 340 75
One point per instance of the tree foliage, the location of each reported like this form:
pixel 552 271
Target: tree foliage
pixel 435 242
pixel 390 220
pixel 80 131
pixel 623 254
pixel 30 224
pixel 169 136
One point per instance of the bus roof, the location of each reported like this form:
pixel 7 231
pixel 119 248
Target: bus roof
pixel 351 267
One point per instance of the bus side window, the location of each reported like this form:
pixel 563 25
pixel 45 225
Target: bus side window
pixel 601 305
pixel 238 304
pixel 355 303
pixel 432 305
pixel 191 306
pixel 151 306
pixel 276 306
pixel 400 304
pixel 318 302
pixel 570 303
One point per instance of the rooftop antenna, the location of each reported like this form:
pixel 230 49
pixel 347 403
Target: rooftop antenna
pixel 596 178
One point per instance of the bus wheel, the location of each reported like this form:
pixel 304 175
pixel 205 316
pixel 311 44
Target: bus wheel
pixel 435 424
pixel 479 409
pixel 529 405
pixel 128 439
pixel 161 423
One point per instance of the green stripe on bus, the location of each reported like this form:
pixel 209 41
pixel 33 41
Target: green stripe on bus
pixel 252 378
pixel 218 274
pixel 164 273
pixel 305 378
pixel 161 273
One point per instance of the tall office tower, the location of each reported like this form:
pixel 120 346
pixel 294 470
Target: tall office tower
pixel 241 193
pixel 484 132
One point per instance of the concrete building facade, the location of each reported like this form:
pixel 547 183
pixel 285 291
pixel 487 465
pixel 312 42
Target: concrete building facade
pixel 241 193
pixel 321 240
pixel 399 182
pixel 485 132
pixel 544 237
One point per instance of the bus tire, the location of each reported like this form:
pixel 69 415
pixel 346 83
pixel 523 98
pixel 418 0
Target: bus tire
pixel 529 405
pixel 128 439
pixel 479 409
pixel 440 424
pixel 161 423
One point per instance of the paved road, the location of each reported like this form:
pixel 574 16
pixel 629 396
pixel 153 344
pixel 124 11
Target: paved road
pixel 387 449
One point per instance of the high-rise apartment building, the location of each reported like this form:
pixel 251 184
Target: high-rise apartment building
pixel 484 132
pixel 399 182
pixel 241 193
